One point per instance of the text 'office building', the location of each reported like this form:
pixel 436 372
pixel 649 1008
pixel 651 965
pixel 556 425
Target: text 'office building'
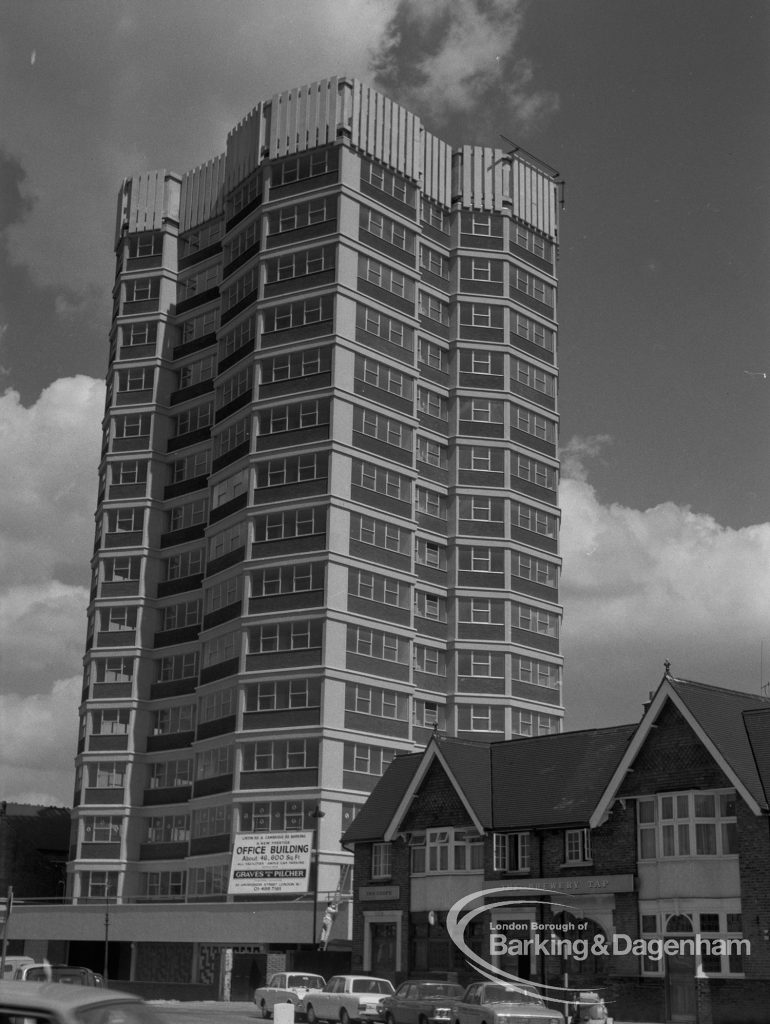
pixel 327 517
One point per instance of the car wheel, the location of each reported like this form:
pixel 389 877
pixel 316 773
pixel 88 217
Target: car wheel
pixel 263 1010
pixel 310 1016
pixel 344 1016
pixel 390 1019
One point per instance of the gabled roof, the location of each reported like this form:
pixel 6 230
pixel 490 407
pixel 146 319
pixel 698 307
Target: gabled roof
pixel 469 765
pixel 373 818
pixel 757 723
pixel 541 781
pixel 718 717
pixel 554 780
pixel 466 765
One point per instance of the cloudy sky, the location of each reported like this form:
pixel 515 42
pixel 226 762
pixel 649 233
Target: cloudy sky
pixel 655 115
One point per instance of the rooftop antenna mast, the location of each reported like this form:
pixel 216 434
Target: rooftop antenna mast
pixel 537 162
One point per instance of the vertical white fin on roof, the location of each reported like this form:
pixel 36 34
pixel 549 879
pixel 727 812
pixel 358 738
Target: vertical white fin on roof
pixel 202 193
pixel 146 200
pixel 245 144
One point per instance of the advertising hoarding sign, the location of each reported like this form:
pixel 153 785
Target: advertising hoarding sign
pixel 269 863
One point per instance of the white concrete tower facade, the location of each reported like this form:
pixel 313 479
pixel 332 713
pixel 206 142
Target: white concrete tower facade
pixel 328 515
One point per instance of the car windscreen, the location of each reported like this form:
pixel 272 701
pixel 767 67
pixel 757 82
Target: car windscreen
pixel 511 995
pixel 59 974
pixel 305 981
pixel 429 991
pixel 370 985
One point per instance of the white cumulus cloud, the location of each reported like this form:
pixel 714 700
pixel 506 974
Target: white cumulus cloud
pixel 641 586
pixel 38 734
pixel 450 57
pixel 49 456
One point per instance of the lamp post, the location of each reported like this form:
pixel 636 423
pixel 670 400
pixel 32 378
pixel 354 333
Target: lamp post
pixel 105 969
pixel 317 814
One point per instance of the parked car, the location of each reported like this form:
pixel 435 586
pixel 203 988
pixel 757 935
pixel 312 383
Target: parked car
pixel 287 987
pixel 11 963
pixel 421 1002
pixel 61 973
pixel 486 1002
pixel 347 997
pixel 53 1003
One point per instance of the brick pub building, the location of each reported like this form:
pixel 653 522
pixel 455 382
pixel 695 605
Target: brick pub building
pixel 632 835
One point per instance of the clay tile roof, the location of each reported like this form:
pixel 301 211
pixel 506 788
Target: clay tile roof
pixel 376 814
pixel 471 767
pixel 554 780
pixel 757 722
pixel 722 714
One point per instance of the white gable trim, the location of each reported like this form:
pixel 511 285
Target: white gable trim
pixel 432 753
pixel 665 693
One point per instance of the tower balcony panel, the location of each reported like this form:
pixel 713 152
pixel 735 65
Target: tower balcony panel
pixel 222 615
pixel 534 490
pixel 271 661
pixel 295 385
pixel 433 628
pixel 293 438
pixel 167 795
pixel 227 508
pixel 163 851
pixel 533 692
pixel 290 778
pixel 116 742
pixel 232 407
pixel 99 851
pixel 129 353
pixel 116 638
pixel 112 691
pixel 196 483
pixel 303 283
pixel 120 492
pixel 297 236
pixel 169 741
pixel 296 601
pixel 143 397
pixel 210 844
pixel 189 348
pixel 209 295
pixel 124 588
pixel 285 718
pixel 102 795
pixel 203 387
pixel 183 536
pixel 537 444
pixel 532 348
pixel 140 443
pixel 480 528
pixel 164 688
pixel 220 670
pixel 532 395
pixel 210 786
pixel 167 588
pixel 539 641
pixel 228 458
pixel 234 557
pixel 182 635
pixel 216 727
pixel 191 437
